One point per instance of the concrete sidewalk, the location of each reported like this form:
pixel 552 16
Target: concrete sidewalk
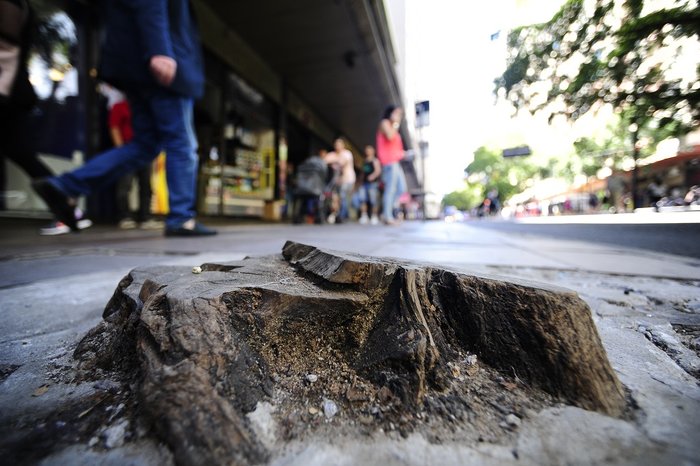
pixel 53 289
pixel 26 257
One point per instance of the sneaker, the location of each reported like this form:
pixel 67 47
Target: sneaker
pixel 364 219
pixel 82 222
pixel 152 224
pixel 59 228
pixel 331 218
pixel 374 220
pixel 57 202
pixel 127 224
pixel 54 228
pixel 190 228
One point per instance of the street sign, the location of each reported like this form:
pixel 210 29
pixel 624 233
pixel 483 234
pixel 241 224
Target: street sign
pixel 422 114
pixel 517 151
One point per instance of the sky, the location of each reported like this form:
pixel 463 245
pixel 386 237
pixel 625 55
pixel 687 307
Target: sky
pixel 452 62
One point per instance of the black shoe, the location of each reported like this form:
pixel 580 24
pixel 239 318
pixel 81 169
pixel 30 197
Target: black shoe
pixel 57 202
pixel 197 230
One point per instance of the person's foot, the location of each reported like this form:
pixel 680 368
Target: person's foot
pixel 151 224
pixel 364 219
pixel 54 228
pixel 374 220
pixel 59 228
pixel 127 224
pixel 190 228
pixel 57 202
pixel 81 220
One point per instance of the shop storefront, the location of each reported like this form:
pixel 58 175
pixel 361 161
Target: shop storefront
pixel 259 117
pixel 237 131
pixel 236 125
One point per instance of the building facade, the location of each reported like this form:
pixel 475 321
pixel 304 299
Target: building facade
pixel 283 79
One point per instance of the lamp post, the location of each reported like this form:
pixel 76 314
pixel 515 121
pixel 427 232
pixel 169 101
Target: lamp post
pixel 422 121
pixel 634 129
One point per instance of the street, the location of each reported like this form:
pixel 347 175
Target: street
pixel 651 233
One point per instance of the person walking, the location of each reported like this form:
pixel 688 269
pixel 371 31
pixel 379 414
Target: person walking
pixel 390 152
pixel 369 189
pixel 17 98
pixel 309 184
pixel 346 163
pixel 151 51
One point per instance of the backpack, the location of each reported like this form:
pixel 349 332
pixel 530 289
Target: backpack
pixel 311 177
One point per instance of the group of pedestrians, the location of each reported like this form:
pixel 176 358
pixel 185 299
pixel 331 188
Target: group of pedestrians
pixel 326 183
pixel 151 52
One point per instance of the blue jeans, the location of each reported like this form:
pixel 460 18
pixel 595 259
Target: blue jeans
pixel 161 121
pixel 394 187
pixel 345 190
pixel 369 193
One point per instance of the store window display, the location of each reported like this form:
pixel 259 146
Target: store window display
pixel 239 174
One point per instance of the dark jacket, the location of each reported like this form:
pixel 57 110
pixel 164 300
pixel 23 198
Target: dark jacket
pixel 136 30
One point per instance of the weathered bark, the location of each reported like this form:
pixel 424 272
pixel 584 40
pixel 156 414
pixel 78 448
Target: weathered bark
pixel 545 334
pixel 206 347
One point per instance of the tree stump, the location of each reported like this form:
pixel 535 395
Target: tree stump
pixel 203 349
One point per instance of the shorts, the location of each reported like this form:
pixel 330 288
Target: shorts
pixel 369 192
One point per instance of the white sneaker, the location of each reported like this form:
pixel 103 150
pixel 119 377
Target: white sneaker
pixel 84 223
pixel 54 228
pixel 152 224
pixel 59 228
pixel 331 218
pixel 375 220
pixel 364 219
pixel 127 224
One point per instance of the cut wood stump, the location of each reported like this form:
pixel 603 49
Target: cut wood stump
pixel 392 342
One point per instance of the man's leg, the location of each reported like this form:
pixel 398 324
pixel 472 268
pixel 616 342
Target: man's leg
pixel 123 186
pixel 16 145
pixel 175 126
pixel 104 169
pixel 144 181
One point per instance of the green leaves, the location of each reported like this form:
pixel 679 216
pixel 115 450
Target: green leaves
pixel 490 170
pixel 624 55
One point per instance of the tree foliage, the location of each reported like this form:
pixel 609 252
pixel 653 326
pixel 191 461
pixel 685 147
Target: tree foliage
pixel 466 199
pixel 490 170
pixel 618 52
pixel 612 150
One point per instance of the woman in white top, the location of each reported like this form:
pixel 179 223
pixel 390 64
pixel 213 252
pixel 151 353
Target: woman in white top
pixel 344 160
